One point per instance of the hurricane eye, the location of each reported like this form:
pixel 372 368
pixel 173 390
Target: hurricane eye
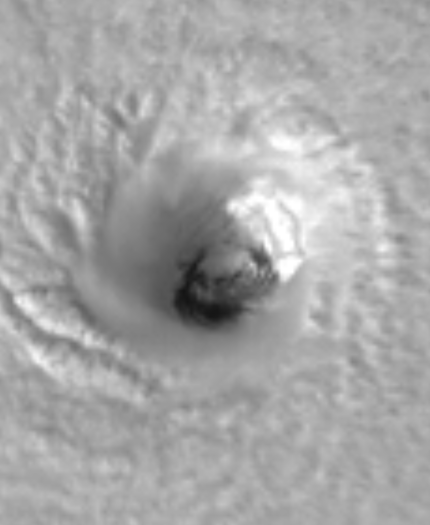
pixel 222 283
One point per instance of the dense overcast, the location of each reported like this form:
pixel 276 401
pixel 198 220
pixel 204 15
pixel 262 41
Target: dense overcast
pixel 121 123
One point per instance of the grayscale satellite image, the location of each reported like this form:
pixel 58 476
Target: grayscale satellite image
pixel 214 262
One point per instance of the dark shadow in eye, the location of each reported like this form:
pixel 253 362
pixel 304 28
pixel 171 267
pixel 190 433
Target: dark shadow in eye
pixel 214 291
